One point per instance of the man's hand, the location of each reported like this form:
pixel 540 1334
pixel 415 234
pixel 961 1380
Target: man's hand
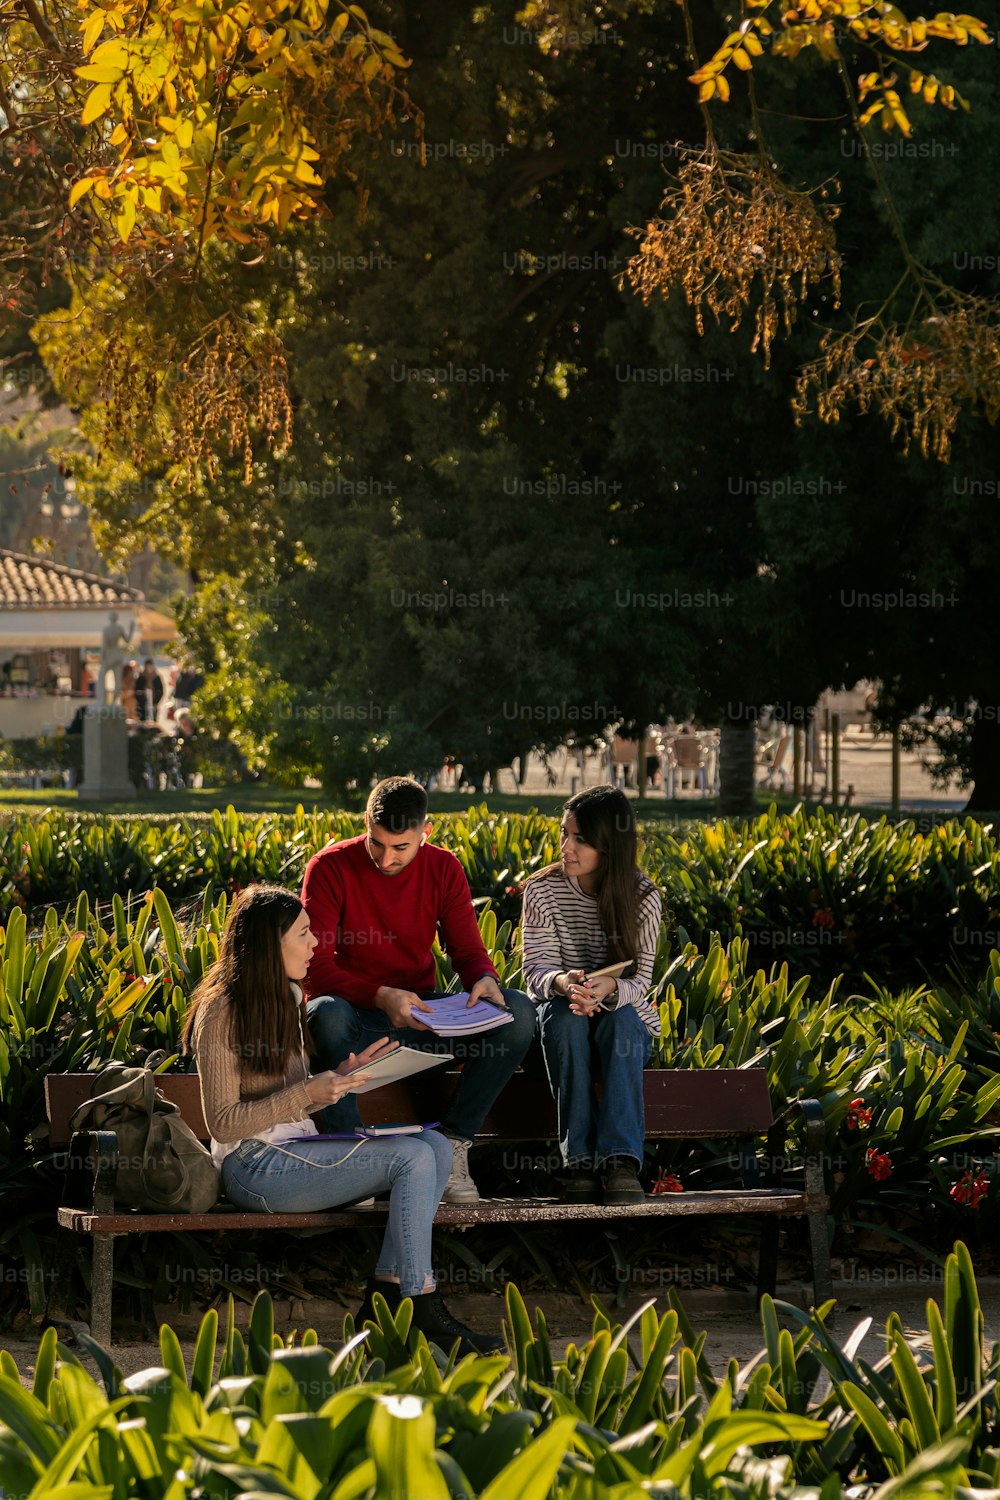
pixel 487 989
pixel 398 1007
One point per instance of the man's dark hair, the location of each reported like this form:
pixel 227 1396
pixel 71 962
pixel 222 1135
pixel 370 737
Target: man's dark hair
pixel 397 804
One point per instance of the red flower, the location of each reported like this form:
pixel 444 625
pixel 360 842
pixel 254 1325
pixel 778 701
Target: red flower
pixel 878 1164
pixel 971 1189
pixel 666 1182
pixel 824 918
pixel 858 1118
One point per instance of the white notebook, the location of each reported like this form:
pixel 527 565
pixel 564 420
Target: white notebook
pixel 398 1064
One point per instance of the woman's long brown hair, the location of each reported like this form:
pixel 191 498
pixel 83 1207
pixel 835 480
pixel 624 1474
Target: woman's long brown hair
pixel 605 819
pixel 250 975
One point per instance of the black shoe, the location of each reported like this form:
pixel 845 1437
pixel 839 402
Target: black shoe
pixel 581 1187
pixel 621 1181
pixel 388 1289
pixel 438 1325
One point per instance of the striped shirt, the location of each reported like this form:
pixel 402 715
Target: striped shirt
pixel 561 930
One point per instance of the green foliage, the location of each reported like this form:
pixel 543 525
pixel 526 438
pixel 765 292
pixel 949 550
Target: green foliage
pixel 827 894
pixel 633 1410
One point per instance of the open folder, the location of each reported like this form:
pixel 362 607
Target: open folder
pixel 400 1063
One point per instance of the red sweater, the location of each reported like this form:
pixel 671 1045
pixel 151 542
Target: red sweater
pixel 376 929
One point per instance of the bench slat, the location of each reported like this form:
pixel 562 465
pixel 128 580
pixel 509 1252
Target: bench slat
pixel 681 1103
pixel 486 1211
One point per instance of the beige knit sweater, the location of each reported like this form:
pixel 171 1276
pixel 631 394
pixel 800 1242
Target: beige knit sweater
pixel 239 1104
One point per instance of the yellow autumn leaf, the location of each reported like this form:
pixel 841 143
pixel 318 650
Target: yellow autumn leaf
pixel 707 90
pixel 100 73
pixel 752 45
pixel 871 111
pixel 722 87
pixel 92 30
pixel 742 61
pixel 97 103
pixel 125 222
pixel 80 188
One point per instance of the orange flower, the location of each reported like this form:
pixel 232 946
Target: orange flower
pixel 878 1164
pixel 971 1189
pixel 858 1118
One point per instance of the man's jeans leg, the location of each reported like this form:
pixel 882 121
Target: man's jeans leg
pixel 566 1049
pixel 488 1061
pixel 624 1046
pixel 338 1029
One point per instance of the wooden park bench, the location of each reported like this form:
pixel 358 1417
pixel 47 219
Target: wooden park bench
pixel 727 1104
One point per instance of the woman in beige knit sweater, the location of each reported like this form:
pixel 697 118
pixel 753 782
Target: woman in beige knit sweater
pixel 246 1029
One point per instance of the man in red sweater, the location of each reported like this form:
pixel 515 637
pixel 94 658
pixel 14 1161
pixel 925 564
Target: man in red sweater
pixel 375 903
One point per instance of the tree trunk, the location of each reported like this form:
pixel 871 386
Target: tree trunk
pixel 984 766
pixel 737 763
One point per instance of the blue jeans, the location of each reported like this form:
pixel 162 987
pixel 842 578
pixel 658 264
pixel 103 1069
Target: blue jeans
pixel 590 1132
pixel 488 1060
pixel 309 1176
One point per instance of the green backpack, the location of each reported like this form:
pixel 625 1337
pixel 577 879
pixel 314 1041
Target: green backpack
pixel 162 1166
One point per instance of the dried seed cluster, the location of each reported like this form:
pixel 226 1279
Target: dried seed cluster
pixel 731 234
pixel 215 391
pixel 917 376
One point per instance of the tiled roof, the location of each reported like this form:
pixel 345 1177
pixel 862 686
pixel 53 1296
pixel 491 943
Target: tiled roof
pixel 36 583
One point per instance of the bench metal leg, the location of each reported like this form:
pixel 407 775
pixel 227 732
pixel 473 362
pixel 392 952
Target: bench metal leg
pixel 101 1286
pixel 767 1259
pixel 820 1246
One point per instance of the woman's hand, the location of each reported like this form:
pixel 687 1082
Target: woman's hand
pixel 382 1048
pixel 586 996
pixel 328 1088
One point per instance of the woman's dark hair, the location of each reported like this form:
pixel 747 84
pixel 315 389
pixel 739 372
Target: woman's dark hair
pixel 250 974
pixel 605 819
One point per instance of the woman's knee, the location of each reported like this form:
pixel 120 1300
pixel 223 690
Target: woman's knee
pixel 414 1157
pixel 629 1036
pixel 559 1026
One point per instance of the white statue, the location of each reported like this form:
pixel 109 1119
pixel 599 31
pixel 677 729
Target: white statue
pixel 115 652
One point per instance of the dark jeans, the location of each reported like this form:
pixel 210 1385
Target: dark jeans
pixel 589 1132
pixel 488 1059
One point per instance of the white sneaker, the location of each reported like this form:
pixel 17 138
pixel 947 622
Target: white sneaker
pixel 460 1187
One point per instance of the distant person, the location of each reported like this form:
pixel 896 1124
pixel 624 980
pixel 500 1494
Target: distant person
pixel 149 691
pixel 129 679
pixel 593 909
pixel 376 903
pixel 187 683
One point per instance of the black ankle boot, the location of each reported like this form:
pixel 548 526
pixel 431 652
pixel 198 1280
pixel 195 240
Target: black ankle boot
pixel 439 1326
pixel 388 1289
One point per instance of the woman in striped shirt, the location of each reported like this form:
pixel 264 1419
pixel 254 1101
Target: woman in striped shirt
pixel 592 909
